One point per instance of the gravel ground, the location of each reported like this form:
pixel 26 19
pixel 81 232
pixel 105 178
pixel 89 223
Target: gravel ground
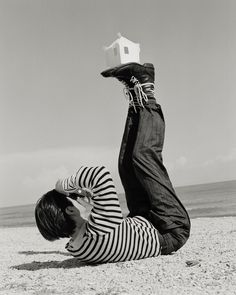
pixel 205 265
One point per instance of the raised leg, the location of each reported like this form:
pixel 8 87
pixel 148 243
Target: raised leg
pixel 167 213
pixel 136 197
pixel 149 191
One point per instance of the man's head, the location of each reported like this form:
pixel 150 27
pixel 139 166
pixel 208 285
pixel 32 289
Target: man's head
pixel 53 217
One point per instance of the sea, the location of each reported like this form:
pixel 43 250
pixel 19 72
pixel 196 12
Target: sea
pixel 202 200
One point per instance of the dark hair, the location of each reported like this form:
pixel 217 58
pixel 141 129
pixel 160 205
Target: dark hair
pixel 51 218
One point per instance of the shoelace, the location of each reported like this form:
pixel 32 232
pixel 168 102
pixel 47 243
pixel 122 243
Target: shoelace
pixel 139 93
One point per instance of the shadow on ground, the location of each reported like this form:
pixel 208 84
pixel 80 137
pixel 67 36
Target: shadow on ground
pixel 37 265
pixel 43 252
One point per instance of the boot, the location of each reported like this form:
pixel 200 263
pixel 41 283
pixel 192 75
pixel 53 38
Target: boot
pixel 138 80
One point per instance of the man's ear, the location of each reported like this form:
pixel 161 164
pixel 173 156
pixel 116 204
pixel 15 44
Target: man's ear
pixel 70 210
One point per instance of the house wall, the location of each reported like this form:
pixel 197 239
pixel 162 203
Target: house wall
pixel 116 54
pixel 129 52
pixel 113 56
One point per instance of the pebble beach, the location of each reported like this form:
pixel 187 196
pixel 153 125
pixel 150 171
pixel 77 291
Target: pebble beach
pixel 205 265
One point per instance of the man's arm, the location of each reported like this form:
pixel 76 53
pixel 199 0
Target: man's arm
pixel 106 213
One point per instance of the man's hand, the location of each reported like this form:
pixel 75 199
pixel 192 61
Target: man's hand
pixel 84 197
pixel 59 188
pixel 85 193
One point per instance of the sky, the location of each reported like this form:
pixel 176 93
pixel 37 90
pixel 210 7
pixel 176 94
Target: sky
pixel 57 112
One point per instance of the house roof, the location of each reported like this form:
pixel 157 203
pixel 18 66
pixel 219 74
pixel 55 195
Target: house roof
pixel 122 40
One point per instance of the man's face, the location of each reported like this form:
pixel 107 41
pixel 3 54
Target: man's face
pixel 83 208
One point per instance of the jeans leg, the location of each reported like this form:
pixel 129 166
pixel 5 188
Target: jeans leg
pixel 136 196
pixel 167 212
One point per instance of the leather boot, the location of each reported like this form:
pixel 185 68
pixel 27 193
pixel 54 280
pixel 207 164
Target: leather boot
pixel 138 80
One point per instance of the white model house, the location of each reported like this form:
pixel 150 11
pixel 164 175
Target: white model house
pixel 122 51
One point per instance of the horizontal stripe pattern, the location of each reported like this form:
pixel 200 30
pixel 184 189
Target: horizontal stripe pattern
pixel 109 237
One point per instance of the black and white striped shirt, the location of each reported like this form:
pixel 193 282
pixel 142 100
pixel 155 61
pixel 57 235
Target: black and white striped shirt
pixel 109 237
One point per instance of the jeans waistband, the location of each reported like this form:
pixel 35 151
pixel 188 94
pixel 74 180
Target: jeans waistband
pixel 163 244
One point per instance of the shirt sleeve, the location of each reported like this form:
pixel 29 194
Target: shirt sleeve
pixel 106 213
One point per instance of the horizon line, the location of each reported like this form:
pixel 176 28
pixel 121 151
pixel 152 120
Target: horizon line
pixel 122 193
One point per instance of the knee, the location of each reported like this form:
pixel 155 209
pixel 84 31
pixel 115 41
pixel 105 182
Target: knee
pixel 136 155
pixel 140 157
pixel 147 157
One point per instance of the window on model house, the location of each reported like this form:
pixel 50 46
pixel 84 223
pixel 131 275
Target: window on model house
pixel 126 50
pixel 115 51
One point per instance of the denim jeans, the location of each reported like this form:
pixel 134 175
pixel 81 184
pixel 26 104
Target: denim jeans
pixel 147 186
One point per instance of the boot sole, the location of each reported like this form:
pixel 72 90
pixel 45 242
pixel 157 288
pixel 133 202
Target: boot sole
pixel 111 72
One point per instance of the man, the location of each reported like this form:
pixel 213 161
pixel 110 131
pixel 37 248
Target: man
pixel 157 223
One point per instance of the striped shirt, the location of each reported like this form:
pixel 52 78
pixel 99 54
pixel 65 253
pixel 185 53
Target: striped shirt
pixel 109 237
